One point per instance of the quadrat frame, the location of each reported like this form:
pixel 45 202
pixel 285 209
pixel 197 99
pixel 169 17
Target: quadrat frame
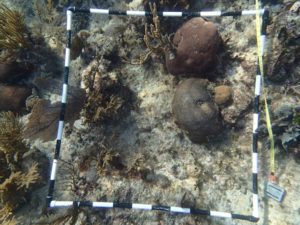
pixel 51 203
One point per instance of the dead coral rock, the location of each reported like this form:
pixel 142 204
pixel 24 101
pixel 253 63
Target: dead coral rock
pixel 170 4
pixel 12 98
pixel 162 181
pixel 188 199
pixel 295 7
pixel 283 60
pixel 241 100
pixel 196 43
pixel 194 110
pixel 223 95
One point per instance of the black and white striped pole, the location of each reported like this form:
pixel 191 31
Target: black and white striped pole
pixel 172 209
pixel 256 113
pixel 62 110
pixel 165 13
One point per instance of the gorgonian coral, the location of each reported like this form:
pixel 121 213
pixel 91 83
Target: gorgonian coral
pixel 12 29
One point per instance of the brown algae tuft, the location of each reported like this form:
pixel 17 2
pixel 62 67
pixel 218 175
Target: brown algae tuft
pixel 107 98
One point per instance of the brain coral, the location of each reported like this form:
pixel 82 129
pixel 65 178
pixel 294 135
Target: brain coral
pixel 196 44
pixel 194 110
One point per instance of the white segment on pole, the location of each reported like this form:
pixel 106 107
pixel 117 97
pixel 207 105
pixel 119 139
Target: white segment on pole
pixel 69 19
pixel 220 214
pixel 103 204
pixel 53 170
pixel 64 93
pixel 211 13
pixel 67 57
pixel 254 162
pixel 172 14
pixel 100 11
pixel 257 85
pixel 61 203
pixel 135 13
pixel 60 130
pixel 141 206
pixel 251 12
pixel 255 206
pixel 255 122
pixel 180 210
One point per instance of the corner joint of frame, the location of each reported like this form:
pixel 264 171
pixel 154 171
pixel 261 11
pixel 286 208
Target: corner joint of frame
pixel 254 219
pixel 48 201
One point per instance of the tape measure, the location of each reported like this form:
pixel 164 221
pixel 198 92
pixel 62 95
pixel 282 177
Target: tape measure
pixel 273 191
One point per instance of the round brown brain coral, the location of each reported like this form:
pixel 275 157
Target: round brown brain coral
pixel 194 110
pixel 196 44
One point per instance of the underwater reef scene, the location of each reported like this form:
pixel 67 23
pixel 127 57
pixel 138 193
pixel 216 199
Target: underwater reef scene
pixel 159 111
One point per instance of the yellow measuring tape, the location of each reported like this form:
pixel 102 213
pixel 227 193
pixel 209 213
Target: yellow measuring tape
pixel 261 68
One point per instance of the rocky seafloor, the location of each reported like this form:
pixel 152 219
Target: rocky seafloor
pixel 136 152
